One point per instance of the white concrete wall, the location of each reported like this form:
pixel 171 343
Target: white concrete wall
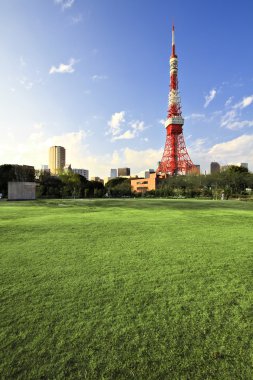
pixel 21 190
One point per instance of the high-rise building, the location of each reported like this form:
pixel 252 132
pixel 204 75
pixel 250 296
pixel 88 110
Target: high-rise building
pixel 82 172
pixel 114 173
pixel 123 172
pixel 214 167
pixel 44 169
pixel 197 169
pixel 57 156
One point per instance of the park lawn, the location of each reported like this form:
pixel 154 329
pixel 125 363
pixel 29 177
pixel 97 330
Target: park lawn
pixel 126 289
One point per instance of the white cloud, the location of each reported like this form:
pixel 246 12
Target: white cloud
pixel 64 68
pixel 209 98
pixel 239 149
pixel 115 124
pixel 127 135
pixel 78 153
pixel 236 150
pixel 65 4
pixel 97 78
pixel 244 103
pixel 34 149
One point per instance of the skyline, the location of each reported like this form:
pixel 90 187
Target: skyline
pixel 94 78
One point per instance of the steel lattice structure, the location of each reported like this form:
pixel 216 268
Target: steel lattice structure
pixel 176 159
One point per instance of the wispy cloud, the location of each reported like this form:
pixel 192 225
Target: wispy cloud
pixel 65 4
pixel 195 116
pixel 247 101
pixel 209 98
pixel 77 19
pixel 26 83
pixel 97 78
pixel 237 124
pixel 228 101
pixel 231 119
pixel 64 68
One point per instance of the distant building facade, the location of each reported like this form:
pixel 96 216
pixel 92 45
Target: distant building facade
pixel 244 165
pixel 147 172
pixel 82 172
pixel 122 172
pixel 114 173
pixel 215 167
pixel 97 179
pixel 57 159
pixel 198 168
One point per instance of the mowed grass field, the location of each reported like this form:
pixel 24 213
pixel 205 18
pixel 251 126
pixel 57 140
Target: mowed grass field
pixel 126 289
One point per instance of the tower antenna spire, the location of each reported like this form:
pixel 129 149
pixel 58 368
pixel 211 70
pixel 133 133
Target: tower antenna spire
pixel 173 53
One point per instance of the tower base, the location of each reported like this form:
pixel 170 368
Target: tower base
pixel 175 160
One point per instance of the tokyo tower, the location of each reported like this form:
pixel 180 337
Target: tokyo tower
pixel 175 159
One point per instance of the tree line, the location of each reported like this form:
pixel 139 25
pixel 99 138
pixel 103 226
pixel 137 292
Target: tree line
pixel 232 182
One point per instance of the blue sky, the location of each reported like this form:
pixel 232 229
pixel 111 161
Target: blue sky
pixel 93 76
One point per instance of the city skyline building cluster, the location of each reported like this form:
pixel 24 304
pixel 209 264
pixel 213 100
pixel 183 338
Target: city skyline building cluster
pixel 57 156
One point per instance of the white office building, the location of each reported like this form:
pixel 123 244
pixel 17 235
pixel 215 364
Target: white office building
pixel 82 172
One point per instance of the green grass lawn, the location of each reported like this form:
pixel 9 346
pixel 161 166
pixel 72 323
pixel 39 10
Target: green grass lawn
pixel 126 289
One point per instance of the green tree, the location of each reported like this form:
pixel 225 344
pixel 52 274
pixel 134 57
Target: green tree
pixel 118 187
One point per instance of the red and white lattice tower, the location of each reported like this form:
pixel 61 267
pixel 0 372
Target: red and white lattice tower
pixel 176 159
